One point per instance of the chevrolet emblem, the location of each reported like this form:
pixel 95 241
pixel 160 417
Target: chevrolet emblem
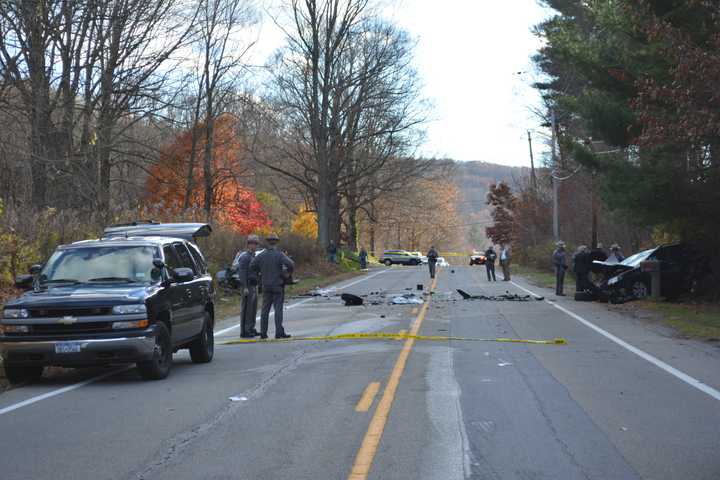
pixel 67 320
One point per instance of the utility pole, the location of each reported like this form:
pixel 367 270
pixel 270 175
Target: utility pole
pixel 555 180
pixel 533 178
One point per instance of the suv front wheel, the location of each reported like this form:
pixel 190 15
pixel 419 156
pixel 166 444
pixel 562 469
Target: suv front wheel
pixel 203 347
pixel 387 262
pixel 159 367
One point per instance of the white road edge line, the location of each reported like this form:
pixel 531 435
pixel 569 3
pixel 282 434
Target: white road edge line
pixel 75 386
pixel 60 391
pixel 693 382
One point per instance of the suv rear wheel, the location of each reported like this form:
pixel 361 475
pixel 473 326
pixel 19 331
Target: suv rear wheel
pixel 159 367
pixel 203 347
pixel 387 262
pixel 19 374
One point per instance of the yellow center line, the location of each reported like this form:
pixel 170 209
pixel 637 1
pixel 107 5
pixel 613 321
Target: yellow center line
pixel 368 448
pixel 401 332
pixel 367 397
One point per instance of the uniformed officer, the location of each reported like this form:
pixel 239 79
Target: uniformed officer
pixel 432 257
pixel 247 280
pixel 275 269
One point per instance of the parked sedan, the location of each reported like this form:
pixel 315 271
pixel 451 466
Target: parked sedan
pixel 679 265
pixel 477 259
pixel 399 257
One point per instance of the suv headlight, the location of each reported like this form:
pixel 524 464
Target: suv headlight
pixel 129 309
pixel 16 313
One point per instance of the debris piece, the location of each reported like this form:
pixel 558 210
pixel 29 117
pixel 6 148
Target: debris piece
pixel 507 296
pixel 504 364
pixel 419 287
pixel 238 399
pixel 408 298
pixel 351 300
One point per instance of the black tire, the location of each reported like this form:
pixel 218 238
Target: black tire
pixel 387 263
pixel 203 347
pixel 584 297
pixel 20 374
pixel 159 367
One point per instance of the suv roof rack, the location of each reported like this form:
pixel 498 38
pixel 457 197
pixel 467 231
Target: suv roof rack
pixel 135 223
pixel 186 231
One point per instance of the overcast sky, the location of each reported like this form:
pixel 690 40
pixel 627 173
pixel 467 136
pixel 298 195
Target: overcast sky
pixel 469 53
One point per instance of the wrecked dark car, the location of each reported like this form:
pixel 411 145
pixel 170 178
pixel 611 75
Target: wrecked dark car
pixel 680 267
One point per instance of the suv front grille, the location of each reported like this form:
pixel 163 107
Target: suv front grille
pixel 69 312
pixel 60 329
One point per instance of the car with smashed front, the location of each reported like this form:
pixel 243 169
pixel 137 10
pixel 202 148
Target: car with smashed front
pixel 680 268
pixel 135 296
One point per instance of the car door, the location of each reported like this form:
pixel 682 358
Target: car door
pixel 179 297
pixel 194 290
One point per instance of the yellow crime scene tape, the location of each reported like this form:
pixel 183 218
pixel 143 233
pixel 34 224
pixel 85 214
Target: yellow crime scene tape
pixel 395 336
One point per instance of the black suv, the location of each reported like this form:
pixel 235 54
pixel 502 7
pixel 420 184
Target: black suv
pixel 137 295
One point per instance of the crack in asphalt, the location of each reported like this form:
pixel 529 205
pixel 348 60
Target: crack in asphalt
pixel 176 445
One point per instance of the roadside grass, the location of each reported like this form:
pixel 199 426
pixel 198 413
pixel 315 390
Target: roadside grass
pixel 541 278
pixel 700 321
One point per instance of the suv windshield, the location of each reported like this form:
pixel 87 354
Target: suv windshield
pixel 112 264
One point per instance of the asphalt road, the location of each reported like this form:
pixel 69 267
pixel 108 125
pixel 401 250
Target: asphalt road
pixel 621 400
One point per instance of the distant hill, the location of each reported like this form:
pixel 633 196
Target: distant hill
pixel 474 180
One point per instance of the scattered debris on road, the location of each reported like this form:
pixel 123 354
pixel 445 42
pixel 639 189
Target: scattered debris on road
pixel 512 297
pixel 407 299
pixel 238 399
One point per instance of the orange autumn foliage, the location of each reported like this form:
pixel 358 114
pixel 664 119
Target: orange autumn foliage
pixel 233 204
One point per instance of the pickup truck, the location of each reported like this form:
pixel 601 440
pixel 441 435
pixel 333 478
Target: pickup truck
pixel 136 295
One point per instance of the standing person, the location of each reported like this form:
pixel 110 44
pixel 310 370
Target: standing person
pixel 332 252
pixel 490 257
pixel 560 265
pixel 581 267
pixel 363 258
pixel 247 280
pixel 616 255
pixel 274 268
pixel 505 261
pixel 432 257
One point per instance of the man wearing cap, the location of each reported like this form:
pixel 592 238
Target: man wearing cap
pixel 560 264
pixel 247 281
pixel 275 269
pixel 432 257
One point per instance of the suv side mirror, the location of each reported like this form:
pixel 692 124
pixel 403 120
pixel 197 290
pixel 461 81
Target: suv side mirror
pixel 24 282
pixel 35 269
pixel 158 263
pixel 183 274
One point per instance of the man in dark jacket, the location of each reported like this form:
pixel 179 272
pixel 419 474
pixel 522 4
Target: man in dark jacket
pixel 275 270
pixel 560 264
pixel 432 257
pixel 581 267
pixel 363 257
pixel 490 257
pixel 247 282
pixel 332 252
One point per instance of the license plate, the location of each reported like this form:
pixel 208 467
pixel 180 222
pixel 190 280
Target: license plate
pixel 67 347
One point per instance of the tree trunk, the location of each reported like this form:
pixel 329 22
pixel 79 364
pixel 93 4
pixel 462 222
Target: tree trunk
pixel 208 166
pixel 353 232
